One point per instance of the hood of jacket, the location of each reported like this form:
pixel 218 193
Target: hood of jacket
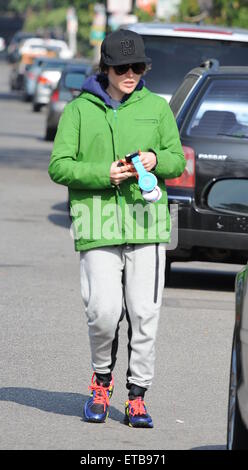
pixel 97 84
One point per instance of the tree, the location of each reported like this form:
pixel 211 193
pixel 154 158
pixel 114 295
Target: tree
pixel 51 17
pixel 22 6
pixel 222 12
pixel 231 13
pixel 188 8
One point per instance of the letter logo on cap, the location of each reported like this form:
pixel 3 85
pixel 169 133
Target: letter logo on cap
pixel 128 47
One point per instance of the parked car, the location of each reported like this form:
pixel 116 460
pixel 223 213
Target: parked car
pixel 211 110
pixel 237 423
pixel 177 48
pixel 40 45
pixel 12 50
pixel 32 73
pixel 46 81
pixel 19 69
pixel 30 45
pixel 69 86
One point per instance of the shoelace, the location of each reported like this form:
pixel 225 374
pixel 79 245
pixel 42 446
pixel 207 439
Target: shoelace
pixel 137 406
pixel 101 396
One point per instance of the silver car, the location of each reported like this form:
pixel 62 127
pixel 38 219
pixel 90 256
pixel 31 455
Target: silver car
pixel 237 425
pixel 46 80
pixel 69 86
pixel 32 73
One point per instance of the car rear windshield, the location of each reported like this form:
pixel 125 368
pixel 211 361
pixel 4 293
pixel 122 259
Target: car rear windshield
pixel 173 57
pixel 222 110
pixel 53 66
pixel 179 97
pixel 73 80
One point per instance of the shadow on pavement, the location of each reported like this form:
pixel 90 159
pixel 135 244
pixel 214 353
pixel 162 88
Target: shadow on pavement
pixel 68 404
pixel 60 219
pixel 24 158
pixel 20 135
pixel 11 95
pixel 63 220
pixel 203 279
pixel 61 206
pixel 220 447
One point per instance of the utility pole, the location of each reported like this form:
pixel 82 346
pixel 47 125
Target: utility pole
pixel 72 28
pixel 123 7
pixel 107 17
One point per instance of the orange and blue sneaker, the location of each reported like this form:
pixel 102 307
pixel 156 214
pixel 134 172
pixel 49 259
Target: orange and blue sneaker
pixel 136 415
pixel 96 408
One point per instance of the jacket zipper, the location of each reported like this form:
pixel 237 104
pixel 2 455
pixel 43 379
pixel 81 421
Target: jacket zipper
pixel 119 193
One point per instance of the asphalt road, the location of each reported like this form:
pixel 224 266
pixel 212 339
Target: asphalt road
pixel 44 351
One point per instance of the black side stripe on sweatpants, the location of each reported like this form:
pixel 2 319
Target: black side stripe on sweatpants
pixel 129 348
pixel 129 335
pixel 156 273
pixel 115 342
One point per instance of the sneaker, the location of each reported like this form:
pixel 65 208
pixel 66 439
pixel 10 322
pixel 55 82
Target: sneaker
pixel 96 408
pixel 136 415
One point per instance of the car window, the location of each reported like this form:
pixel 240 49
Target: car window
pixel 173 57
pixel 179 97
pixel 222 110
pixel 36 46
pixel 74 80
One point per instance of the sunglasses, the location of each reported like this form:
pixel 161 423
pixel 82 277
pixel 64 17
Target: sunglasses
pixel 137 68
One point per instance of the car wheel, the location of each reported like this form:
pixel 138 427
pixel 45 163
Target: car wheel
pixel 27 97
pixel 50 133
pixel 237 433
pixel 12 86
pixel 36 107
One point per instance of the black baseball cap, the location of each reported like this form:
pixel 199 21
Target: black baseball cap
pixel 123 47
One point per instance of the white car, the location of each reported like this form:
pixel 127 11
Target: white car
pixel 175 49
pixel 39 46
pixel 64 52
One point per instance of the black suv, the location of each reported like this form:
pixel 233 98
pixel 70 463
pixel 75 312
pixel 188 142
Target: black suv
pixel 211 109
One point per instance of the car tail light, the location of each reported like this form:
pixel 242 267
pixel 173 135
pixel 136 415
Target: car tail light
pixel 187 179
pixel 55 96
pixel 43 80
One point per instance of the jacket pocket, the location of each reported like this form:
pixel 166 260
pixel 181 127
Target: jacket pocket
pixel 146 121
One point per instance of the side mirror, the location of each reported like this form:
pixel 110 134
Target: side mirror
pixel 230 196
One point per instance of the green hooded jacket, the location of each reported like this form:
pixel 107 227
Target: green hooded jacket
pixel 90 136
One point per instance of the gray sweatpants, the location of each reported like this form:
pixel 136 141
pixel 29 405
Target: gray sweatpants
pixel 118 280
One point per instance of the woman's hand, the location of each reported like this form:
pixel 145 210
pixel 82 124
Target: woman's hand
pixel 118 174
pixel 148 160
